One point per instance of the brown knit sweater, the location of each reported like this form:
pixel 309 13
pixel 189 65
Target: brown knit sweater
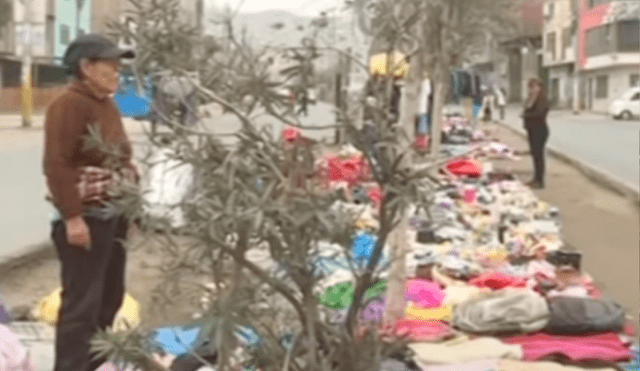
pixel 67 122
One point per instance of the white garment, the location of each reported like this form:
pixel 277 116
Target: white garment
pixel 541 267
pixel 13 355
pixel 423 100
pixel 500 98
pixel 574 291
pixel 474 350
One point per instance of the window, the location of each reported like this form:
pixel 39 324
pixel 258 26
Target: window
pixel 628 40
pixel 599 41
pixel 65 35
pixel 551 45
pixel 634 80
pixel 566 41
pixel 602 87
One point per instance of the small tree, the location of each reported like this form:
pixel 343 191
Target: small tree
pixel 244 204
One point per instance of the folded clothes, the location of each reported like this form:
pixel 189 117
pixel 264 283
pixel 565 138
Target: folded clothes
pixel 604 346
pixel 479 349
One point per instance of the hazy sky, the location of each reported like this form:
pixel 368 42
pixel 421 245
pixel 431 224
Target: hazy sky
pixel 302 7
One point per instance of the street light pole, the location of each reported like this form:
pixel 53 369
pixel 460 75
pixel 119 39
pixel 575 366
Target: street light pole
pixel 27 90
pixel 576 52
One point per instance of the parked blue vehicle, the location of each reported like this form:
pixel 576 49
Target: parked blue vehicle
pixel 130 101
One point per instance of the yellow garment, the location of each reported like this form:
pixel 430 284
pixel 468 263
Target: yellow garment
pixel 378 64
pixel 128 317
pixel 512 365
pixel 437 314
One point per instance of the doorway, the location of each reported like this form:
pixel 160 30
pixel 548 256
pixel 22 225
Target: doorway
pixel 555 92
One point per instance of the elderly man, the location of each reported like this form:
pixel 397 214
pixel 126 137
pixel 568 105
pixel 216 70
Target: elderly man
pixel 87 238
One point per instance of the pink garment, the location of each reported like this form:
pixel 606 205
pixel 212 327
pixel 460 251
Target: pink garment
pixel 425 294
pixel 604 346
pixel 497 281
pixel 469 366
pixel 416 330
pixel 13 355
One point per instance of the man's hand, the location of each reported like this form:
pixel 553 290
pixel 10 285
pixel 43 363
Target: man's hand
pixel 78 232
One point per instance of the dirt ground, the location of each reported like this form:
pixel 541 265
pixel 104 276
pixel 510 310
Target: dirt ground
pixel 25 284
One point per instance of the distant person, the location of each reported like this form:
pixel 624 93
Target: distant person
pixel 488 104
pixel 501 101
pixel 477 98
pixel 535 122
pixel 87 238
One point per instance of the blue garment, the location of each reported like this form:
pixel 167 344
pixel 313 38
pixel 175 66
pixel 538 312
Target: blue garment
pixel 176 340
pixel 363 246
pixel 424 124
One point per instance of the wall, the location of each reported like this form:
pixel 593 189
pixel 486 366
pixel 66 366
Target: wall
pixel 560 20
pixel 564 74
pixel 618 84
pixel 11 98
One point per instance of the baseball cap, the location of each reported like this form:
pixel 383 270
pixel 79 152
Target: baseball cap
pixel 94 46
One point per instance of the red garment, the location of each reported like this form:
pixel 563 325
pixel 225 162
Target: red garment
pixel 465 167
pixel 497 281
pixel 604 346
pixel 352 170
pixel 375 196
pixel 290 134
pixel 416 330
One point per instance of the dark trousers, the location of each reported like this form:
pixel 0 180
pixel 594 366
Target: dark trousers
pixel 538 136
pixel 92 290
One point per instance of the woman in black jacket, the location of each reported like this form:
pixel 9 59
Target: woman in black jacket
pixel 535 122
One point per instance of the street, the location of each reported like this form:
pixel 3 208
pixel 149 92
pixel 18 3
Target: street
pixel 597 140
pixel 24 222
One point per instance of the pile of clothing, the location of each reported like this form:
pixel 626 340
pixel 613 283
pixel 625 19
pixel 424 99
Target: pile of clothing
pixel 492 286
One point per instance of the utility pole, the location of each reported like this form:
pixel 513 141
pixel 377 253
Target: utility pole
pixel 27 90
pixel 576 51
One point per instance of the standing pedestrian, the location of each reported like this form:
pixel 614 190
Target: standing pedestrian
pixel 488 104
pixel 477 106
pixel 501 101
pixel 535 122
pixel 88 239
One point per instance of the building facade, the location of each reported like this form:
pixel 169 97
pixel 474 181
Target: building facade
pixel 559 50
pixel 73 18
pixel 609 50
pixel 523 52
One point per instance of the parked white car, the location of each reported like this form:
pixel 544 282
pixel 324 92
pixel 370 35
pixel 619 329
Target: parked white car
pixel 628 106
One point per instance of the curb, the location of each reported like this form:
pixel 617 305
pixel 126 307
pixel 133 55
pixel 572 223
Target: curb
pixel 31 255
pixel 596 175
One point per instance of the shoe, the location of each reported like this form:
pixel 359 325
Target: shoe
pixel 534 184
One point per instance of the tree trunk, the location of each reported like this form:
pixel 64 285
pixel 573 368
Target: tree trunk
pixel 436 117
pixel 395 304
